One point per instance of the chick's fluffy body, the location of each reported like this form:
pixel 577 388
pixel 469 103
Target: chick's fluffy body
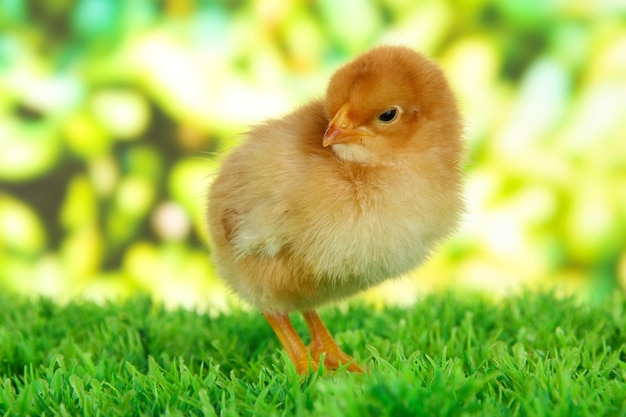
pixel 295 224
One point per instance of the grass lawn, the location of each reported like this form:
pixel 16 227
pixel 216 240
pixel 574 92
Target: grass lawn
pixel 450 355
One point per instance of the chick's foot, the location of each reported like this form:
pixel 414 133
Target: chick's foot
pixel 291 342
pixel 323 343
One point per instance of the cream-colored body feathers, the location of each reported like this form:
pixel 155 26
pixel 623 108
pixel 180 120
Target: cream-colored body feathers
pixel 295 224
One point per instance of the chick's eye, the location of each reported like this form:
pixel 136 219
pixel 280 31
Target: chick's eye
pixel 388 116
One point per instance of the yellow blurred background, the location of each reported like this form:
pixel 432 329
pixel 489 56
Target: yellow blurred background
pixel 114 114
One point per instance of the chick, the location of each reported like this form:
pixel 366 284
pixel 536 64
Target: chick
pixel 339 195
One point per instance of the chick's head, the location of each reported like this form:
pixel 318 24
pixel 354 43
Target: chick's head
pixel 389 102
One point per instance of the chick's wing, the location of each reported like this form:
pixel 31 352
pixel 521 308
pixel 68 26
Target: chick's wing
pixel 259 182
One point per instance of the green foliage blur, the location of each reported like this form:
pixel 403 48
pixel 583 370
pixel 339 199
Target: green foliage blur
pixel 114 114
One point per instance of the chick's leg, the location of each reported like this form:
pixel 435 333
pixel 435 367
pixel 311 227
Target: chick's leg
pixel 291 341
pixel 323 342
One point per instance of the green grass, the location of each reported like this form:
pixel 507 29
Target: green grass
pixel 532 355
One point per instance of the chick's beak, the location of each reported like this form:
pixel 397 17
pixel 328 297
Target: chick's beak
pixel 341 129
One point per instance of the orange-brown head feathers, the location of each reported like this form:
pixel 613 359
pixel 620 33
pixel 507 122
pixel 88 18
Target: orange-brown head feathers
pixel 387 101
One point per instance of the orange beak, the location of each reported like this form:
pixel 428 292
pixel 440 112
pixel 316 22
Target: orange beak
pixel 341 130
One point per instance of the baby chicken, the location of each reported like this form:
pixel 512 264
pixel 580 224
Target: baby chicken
pixel 339 195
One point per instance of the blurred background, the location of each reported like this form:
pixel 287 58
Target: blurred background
pixel 114 115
